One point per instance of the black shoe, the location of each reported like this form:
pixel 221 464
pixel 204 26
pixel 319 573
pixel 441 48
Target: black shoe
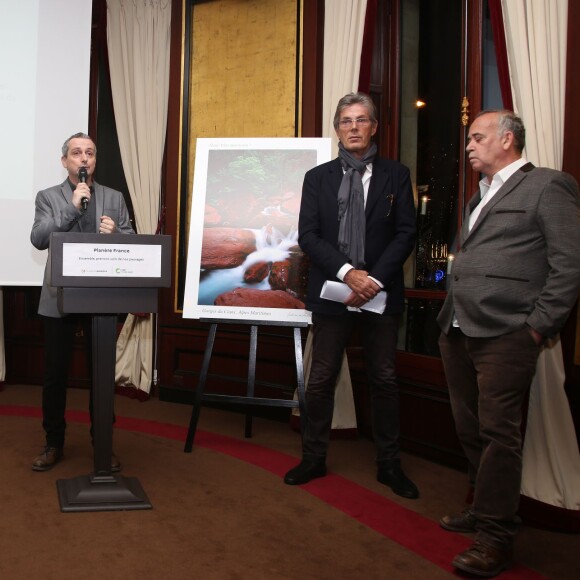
pixel 306 470
pixel 483 560
pixel 463 522
pixel 47 459
pixel 391 474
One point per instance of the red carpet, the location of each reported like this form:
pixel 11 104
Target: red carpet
pixel 414 532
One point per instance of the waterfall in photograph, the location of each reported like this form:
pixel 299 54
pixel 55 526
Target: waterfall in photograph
pixel 271 246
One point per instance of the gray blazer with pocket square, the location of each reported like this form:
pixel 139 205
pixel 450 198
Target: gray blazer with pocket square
pixel 520 262
pixel 54 212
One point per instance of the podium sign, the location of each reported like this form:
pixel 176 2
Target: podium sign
pixel 110 260
pixel 89 270
pixel 104 275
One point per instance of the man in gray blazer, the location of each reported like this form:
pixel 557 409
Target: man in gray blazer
pixel 79 204
pixel 514 281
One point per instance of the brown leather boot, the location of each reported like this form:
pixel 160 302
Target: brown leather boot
pixel 484 560
pixel 463 522
pixel 47 459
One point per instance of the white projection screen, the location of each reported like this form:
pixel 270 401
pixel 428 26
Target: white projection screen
pixel 44 98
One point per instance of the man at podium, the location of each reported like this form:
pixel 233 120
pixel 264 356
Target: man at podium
pixel 78 204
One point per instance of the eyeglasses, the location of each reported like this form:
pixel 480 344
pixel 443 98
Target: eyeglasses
pixel 360 122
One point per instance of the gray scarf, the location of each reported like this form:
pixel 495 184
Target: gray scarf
pixel 351 205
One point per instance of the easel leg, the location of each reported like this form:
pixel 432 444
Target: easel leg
pixel 199 390
pixel 251 376
pixel 300 379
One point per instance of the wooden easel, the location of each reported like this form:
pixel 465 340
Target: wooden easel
pixel 249 398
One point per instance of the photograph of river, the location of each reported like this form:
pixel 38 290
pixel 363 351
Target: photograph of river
pixel 243 257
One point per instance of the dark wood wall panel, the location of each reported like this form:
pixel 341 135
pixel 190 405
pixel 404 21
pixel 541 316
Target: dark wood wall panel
pixel 184 350
pixel 422 406
pixel 24 341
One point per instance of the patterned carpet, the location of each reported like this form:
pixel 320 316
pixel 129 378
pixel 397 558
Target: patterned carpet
pixel 223 511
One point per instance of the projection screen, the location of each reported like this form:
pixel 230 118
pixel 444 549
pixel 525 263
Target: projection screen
pixel 44 98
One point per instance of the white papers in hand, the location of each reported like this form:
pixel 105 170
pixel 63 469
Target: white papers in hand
pixel 339 292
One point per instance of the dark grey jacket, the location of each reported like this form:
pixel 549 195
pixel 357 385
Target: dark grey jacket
pixel 520 263
pixel 54 212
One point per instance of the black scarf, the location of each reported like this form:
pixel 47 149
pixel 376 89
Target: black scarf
pixel 351 205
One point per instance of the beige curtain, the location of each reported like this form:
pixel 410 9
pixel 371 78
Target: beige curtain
pixel 536 36
pixel 551 471
pixel 536 44
pixel 343 416
pixel 344 22
pixel 138 35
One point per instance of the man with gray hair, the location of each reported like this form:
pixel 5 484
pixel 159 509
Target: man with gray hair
pixel 357 225
pixel 78 204
pixel 513 284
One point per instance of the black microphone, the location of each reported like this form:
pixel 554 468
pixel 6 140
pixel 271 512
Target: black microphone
pixel 83 179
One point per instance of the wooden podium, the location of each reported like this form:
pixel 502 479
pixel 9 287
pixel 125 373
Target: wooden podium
pixel 104 275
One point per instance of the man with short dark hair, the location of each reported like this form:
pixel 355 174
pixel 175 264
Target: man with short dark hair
pixel 357 225
pixel 514 281
pixel 76 205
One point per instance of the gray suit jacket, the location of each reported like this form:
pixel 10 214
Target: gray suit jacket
pixel 54 212
pixel 520 263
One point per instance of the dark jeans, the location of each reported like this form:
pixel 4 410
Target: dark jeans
pixel 330 337
pixel 488 381
pixel 59 337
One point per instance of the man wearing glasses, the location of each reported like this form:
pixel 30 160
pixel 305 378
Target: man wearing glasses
pixel 357 226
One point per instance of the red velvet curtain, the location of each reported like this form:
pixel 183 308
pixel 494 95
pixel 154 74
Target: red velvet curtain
pixel 496 15
pixel 366 58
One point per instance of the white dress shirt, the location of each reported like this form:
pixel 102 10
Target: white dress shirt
pixel 488 190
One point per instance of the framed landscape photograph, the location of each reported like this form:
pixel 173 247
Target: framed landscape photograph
pixel 243 259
